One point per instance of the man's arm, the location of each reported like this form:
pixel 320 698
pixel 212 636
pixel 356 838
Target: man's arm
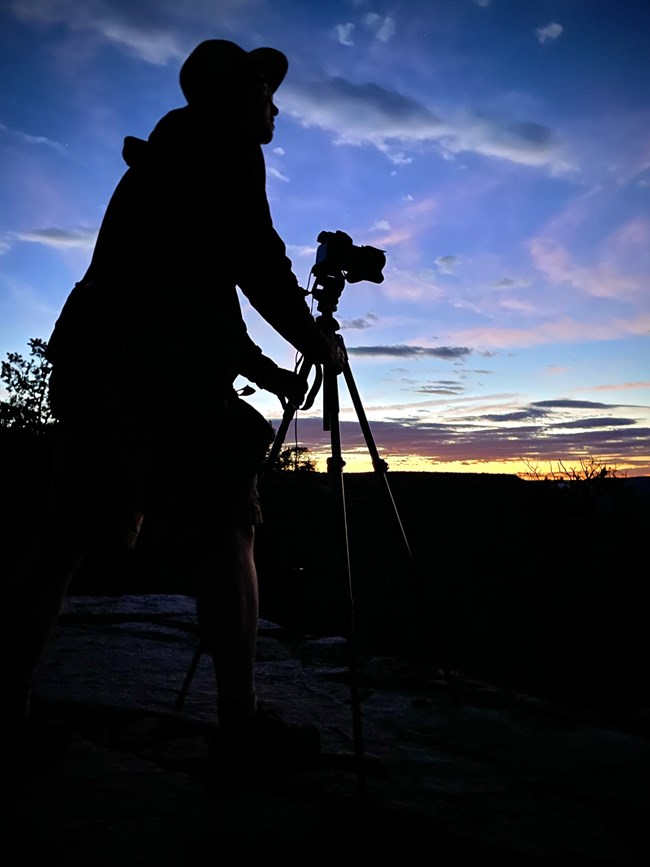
pixel 266 374
pixel 265 274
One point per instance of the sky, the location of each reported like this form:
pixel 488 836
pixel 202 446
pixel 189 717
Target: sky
pixel 498 151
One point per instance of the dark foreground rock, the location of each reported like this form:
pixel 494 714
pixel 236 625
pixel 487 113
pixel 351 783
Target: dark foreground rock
pixel 536 586
pixel 452 768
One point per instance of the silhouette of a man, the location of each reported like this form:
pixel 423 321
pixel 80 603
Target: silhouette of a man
pixel 145 353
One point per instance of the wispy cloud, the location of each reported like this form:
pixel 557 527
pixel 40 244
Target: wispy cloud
pixel 448 353
pixel 563 330
pixel 383 28
pixel 276 173
pixel 361 323
pixel 345 33
pixel 29 139
pixel 447 264
pixel 84 238
pixel 550 31
pixel 482 441
pixel 601 279
pixel 138 27
pixel 569 403
pixel 154 47
pixel 441 387
pixel 623 386
pixel 372 114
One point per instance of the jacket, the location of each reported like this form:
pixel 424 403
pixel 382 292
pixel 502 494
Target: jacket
pixel 188 223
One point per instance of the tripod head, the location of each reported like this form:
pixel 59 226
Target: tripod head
pixel 338 260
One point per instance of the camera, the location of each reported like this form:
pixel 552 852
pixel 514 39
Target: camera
pixel 337 255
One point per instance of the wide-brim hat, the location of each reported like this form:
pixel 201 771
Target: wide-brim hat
pixel 218 66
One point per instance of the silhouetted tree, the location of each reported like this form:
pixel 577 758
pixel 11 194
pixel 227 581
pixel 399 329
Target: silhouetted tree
pixel 295 459
pixel 26 380
pixel 591 469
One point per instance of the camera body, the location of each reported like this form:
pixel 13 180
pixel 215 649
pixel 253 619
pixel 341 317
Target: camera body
pixel 338 255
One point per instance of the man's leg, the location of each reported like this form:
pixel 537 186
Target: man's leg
pixel 228 613
pixel 250 739
pixel 224 511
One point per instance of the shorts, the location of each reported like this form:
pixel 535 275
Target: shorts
pixel 115 464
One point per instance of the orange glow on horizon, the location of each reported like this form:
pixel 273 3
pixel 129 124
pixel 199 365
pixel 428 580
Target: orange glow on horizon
pixel 360 462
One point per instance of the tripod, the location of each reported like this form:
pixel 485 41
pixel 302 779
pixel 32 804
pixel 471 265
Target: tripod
pixel 335 464
pixel 327 376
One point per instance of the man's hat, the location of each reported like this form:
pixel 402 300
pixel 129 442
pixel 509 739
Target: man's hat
pixel 217 66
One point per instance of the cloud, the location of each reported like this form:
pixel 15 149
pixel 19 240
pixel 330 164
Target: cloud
pixel 509 283
pixel 623 386
pixel 482 441
pixel 344 33
pixel 567 403
pixel 585 423
pixel 136 27
pixel 631 237
pixel 550 31
pixel 368 113
pixel 276 173
pixel 359 112
pixel 28 139
pixel 408 285
pixel 361 323
pixel 443 387
pixel 84 238
pixel 447 264
pixel 564 330
pixel 601 280
pixel 154 47
pixel 447 353
pixel 519 415
pixel 523 142
pixel 383 28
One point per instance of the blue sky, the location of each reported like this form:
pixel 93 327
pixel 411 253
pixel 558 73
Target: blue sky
pixel 497 150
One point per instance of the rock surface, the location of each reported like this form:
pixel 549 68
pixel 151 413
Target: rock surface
pixel 451 767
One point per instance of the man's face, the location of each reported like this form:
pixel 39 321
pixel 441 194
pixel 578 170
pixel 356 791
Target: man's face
pixel 265 112
pixel 259 110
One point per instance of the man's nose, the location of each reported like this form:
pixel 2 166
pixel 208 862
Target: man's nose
pixel 274 109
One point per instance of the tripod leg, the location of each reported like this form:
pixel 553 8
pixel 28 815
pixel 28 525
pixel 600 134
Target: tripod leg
pixel 335 466
pixel 381 468
pixel 180 701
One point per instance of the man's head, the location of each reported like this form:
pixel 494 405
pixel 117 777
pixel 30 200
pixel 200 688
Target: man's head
pixel 220 75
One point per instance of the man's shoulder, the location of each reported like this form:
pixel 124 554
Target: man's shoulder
pixel 177 123
pixel 198 134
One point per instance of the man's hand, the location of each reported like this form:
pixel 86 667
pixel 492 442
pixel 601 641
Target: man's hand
pixel 287 385
pixel 266 374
